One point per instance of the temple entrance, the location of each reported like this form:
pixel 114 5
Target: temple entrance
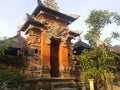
pixel 54 58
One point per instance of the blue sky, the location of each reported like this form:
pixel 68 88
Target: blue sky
pixel 12 13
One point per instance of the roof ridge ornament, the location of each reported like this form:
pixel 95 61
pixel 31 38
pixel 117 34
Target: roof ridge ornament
pixel 51 4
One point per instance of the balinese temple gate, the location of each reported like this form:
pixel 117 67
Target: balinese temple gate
pixel 48 39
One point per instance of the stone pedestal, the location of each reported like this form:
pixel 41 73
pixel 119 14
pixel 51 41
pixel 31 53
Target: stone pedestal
pixel 91 84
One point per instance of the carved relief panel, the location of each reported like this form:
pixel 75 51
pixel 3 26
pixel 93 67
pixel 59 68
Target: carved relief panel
pixel 57 31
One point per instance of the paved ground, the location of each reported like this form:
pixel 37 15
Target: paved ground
pixel 115 87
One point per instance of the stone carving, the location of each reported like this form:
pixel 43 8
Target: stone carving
pixel 33 19
pixel 51 4
pixel 35 66
pixel 32 27
pixel 57 31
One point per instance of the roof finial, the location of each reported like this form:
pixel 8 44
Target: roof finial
pixel 51 4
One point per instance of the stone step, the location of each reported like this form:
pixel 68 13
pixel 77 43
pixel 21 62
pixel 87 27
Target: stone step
pixel 65 89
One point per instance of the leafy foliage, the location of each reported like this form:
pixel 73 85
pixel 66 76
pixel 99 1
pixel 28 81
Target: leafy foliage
pixel 87 65
pixel 115 35
pixel 5 43
pixel 97 64
pixel 116 18
pixel 96 21
pixel 10 76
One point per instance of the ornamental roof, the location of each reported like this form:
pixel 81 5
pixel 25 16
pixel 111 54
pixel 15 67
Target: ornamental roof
pixel 68 18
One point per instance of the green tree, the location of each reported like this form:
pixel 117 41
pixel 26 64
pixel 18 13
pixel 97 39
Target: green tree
pixel 5 43
pixel 97 64
pixel 96 21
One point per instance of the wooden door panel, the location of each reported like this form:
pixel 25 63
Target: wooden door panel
pixel 54 59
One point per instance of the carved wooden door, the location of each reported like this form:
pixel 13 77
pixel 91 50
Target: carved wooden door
pixel 54 58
